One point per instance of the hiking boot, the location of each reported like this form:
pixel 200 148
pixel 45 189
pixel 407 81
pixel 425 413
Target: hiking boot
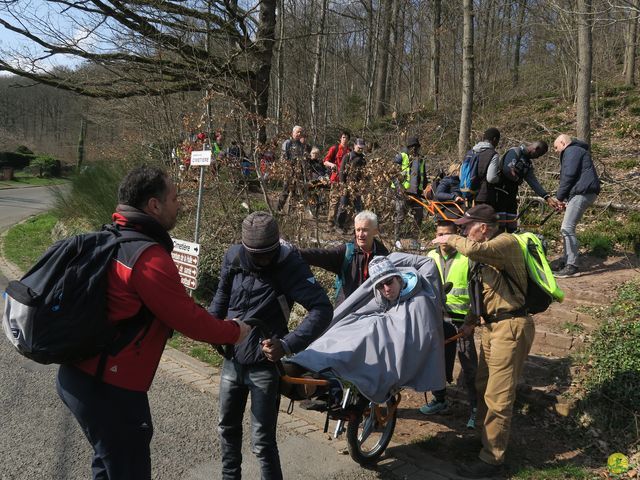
pixel 398 245
pixel 479 469
pixel 471 423
pixel 434 407
pixel 568 271
pixel 315 405
pixel 557 265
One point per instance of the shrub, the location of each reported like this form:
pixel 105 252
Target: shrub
pixel 24 150
pixel 599 244
pixel 47 166
pixel 612 368
pixel 15 160
pixel 627 163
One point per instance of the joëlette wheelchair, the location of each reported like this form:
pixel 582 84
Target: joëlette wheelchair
pixel 369 426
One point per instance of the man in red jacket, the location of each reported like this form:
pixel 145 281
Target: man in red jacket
pixel 108 393
pixel 332 161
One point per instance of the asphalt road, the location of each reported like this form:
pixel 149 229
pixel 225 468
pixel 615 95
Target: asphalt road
pixel 18 203
pixel 39 439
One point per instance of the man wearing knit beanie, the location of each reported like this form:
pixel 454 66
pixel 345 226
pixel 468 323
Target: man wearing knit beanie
pixel 261 278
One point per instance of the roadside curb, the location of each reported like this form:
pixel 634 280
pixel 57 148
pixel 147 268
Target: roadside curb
pixel 403 462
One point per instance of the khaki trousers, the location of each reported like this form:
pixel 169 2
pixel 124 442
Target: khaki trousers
pixel 505 346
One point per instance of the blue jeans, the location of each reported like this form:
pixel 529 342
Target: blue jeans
pixel 262 381
pixel 116 421
pixel 572 215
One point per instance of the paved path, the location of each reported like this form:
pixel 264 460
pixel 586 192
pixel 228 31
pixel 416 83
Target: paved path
pixel 18 203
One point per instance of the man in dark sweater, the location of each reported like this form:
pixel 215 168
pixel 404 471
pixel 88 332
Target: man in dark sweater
pixel 350 261
pixel 579 187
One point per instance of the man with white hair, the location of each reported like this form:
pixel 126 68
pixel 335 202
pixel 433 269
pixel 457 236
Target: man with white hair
pixel 578 189
pixel 350 261
pixel 293 154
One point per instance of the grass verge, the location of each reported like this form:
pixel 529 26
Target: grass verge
pixel 21 180
pixel 560 472
pixel 27 241
pixel 202 351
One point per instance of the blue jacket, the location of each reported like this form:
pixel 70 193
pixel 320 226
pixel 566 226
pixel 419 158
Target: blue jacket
pixel 246 291
pixel 578 175
pixel 448 189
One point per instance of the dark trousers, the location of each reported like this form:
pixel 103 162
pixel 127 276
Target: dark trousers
pixel 402 205
pixel 343 206
pixel 468 357
pixel 507 207
pixel 237 381
pixel 117 423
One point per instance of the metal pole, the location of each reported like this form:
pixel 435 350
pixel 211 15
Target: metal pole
pixel 199 207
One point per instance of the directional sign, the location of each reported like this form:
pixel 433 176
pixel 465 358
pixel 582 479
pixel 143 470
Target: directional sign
pixel 186 256
pixel 201 158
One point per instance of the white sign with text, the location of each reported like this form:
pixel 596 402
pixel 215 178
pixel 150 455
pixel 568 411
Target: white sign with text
pixel 186 256
pixel 201 158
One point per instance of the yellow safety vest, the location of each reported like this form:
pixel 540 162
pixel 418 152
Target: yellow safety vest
pixel 406 170
pixel 458 274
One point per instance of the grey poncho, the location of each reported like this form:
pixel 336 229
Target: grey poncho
pixel 381 346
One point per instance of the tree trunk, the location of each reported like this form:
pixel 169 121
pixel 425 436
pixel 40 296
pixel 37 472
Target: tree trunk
pixel 386 8
pixel 522 6
pixel 265 38
pixel 434 77
pixel 81 138
pixel 280 74
pixel 585 58
pixel 631 38
pixel 396 42
pixel 374 67
pixel 467 79
pixel 317 68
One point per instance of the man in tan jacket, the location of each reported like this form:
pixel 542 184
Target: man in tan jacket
pixel 496 284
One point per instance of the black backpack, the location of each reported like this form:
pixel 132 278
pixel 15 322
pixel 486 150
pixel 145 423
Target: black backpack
pixel 57 312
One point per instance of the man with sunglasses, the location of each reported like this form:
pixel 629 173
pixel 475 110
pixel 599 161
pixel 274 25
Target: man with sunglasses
pixel 508 330
pixel 261 278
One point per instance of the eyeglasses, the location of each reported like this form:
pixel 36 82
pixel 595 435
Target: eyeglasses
pixel 385 283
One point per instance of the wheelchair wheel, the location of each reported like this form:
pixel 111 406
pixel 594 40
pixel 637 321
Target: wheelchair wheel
pixel 370 432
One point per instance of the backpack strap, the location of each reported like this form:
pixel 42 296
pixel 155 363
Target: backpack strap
pixel 346 262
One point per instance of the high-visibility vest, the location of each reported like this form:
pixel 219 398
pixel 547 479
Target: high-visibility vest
pixel 457 303
pixel 406 171
pixel 538 267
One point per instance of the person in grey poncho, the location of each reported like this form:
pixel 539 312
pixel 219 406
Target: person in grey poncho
pixel 388 333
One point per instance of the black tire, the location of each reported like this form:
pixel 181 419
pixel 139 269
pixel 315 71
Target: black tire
pixel 366 447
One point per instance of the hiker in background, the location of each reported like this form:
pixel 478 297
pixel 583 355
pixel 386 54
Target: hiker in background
pixel 516 167
pixel 293 152
pixel 318 181
pixel 411 183
pixel 448 189
pixel 262 278
pixel 498 279
pixel 351 175
pixel 333 160
pixel 113 410
pixel 579 187
pixel 488 159
pixel 454 268
pixel 350 261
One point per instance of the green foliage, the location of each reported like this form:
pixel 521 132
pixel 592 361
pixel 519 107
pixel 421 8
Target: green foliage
pixel 625 128
pixel 627 163
pixel 201 351
pixel 545 106
pixel 573 328
pixel 27 241
pixel 46 166
pixel 635 110
pixel 599 244
pixel 603 236
pixel 559 472
pixel 599 150
pixel 93 193
pixel 612 381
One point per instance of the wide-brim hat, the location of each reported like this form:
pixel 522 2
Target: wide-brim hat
pixel 413 142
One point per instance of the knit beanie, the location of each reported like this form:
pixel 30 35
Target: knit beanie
pixel 381 268
pixel 260 233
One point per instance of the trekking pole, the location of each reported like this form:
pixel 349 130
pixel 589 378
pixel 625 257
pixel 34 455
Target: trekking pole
pixel 544 220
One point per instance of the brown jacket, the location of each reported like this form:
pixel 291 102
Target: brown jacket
pixel 501 253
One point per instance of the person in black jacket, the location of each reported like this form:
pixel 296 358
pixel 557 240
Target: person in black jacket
pixel 578 189
pixel 350 261
pixel 351 175
pixel 262 278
